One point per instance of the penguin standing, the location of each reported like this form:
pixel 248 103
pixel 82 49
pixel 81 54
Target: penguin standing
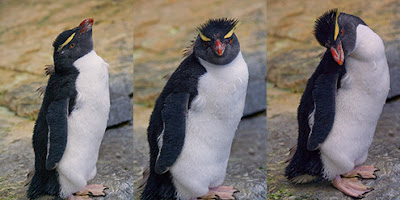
pixel 73 118
pixel 341 105
pixel 195 118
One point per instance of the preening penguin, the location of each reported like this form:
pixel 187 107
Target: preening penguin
pixel 73 118
pixel 341 105
pixel 195 118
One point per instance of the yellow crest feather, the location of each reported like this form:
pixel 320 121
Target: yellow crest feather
pixel 66 42
pixel 336 25
pixel 230 33
pixel 203 37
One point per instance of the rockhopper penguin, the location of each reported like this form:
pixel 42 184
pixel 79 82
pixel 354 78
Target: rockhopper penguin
pixel 73 118
pixel 341 105
pixel 195 118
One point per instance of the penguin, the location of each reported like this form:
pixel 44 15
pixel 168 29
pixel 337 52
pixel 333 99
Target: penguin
pixel 341 105
pixel 72 119
pixel 195 117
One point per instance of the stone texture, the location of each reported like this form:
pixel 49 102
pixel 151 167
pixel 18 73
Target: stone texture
pixel 246 167
pixel 384 153
pixel 121 84
pixel 27 31
pixel 162 30
pixel 293 55
pixel 120 111
pixel 293 52
pixel 393 57
pixel 114 167
pixel 256 90
pixel 161 36
pixel 25 52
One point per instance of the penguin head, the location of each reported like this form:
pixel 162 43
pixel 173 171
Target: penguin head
pixel 216 42
pixel 74 43
pixel 338 32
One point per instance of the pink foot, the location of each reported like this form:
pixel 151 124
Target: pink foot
pixel 96 190
pixel 220 193
pixel 364 171
pixel 351 186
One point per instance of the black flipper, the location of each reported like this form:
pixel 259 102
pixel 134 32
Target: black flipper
pixel 324 99
pixel 174 118
pixel 58 131
pixel 305 161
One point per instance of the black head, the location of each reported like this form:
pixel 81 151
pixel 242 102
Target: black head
pixel 72 44
pixel 337 32
pixel 216 42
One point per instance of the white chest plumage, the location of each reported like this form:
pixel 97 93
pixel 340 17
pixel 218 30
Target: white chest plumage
pixel 86 123
pixel 211 124
pixel 359 103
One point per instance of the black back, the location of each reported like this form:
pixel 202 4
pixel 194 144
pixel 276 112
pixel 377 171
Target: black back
pixel 61 86
pixel 183 80
pixel 321 91
pixel 305 161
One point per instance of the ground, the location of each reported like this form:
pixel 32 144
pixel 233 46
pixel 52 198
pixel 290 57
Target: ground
pixel 27 31
pixel 162 29
pixel 292 57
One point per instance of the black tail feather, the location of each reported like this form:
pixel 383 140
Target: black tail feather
pixel 45 183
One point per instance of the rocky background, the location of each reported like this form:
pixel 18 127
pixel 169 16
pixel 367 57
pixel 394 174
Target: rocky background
pixel 27 31
pixel 162 29
pixel 292 58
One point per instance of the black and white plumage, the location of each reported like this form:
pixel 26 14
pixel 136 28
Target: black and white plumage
pixel 196 115
pixel 343 100
pixel 73 116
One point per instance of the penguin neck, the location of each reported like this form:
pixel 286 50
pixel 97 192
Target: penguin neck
pixel 212 67
pixel 369 46
pixel 64 66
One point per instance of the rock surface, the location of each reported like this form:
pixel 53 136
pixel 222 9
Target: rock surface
pixel 384 154
pixel 161 36
pixel 114 167
pixel 246 167
pixel 27 31
pixel 25 52
pixel 292 57
pixel 293 52
pixel 161 33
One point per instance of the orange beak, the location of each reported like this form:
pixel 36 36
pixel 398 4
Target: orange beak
pixel 338 54
pixel 86 25
pixel 219 48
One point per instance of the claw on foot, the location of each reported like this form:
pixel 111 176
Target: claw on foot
pixel 365 172
pixel 351 186
pixel 95 190
pixel 221 193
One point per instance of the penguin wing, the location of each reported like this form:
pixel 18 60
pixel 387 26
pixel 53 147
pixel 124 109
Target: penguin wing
pixel 324 95
pixel 58 130
pixel 174 118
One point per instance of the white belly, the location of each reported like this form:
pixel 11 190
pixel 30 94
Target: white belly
pixel 86 124
pixel 359 104
pixel 211 124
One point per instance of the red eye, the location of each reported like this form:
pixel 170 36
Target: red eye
pixel 230 40
pixel 72 45
pixel 341 32
pixel 204 44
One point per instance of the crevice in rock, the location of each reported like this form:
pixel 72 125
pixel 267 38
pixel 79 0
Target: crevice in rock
pixel 393 98
pixel 255 114
pixel 122 124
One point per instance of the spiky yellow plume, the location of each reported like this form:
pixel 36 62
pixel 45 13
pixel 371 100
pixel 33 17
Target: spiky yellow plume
pixel 336 24
pixel 229 34
pixel 66 42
